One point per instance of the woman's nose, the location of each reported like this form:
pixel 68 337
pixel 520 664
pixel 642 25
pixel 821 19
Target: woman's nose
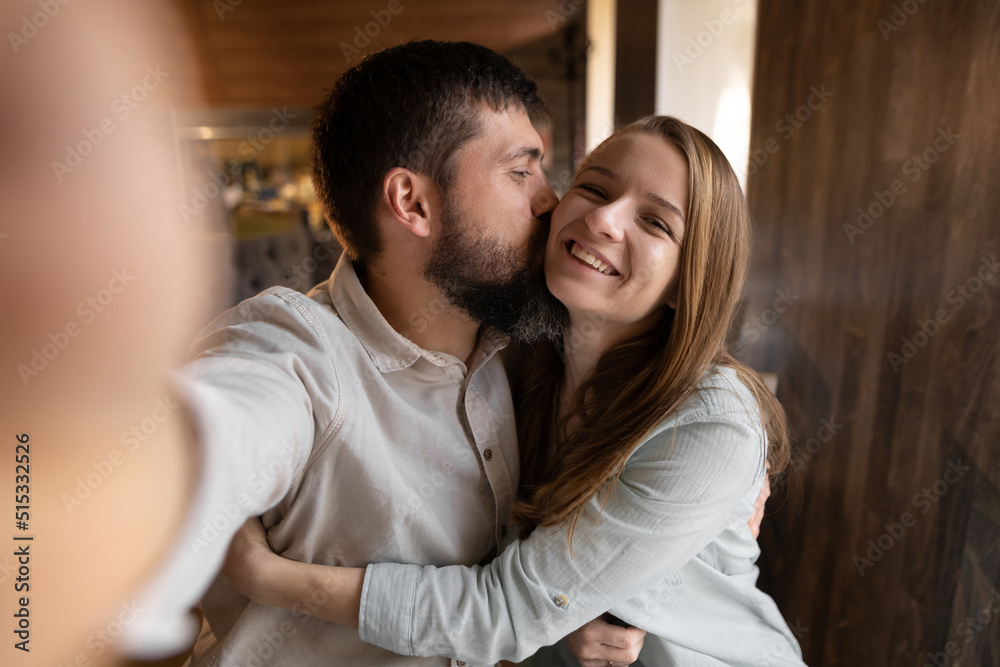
pixel 607 220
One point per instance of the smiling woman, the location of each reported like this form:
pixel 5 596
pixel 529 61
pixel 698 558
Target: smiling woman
pixel 643 446
pixel 622 220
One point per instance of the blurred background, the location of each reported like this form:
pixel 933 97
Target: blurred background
pixel 866 133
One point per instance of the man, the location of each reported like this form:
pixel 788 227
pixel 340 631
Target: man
pixel 371 420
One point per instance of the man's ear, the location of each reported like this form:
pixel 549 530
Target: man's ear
pixel 409 197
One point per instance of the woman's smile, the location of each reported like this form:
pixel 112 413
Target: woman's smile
pixel 590 258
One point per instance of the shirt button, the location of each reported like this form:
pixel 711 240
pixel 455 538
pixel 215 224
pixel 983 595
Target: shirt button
pixel 503 531
pixel 560 600
pixel 488 454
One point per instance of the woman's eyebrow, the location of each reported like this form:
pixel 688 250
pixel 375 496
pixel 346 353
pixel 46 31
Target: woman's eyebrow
pixel 600 170
pixel 660 201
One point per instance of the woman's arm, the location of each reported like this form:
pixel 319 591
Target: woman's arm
pixel 334 593
pixel 680 490
pixel 327 592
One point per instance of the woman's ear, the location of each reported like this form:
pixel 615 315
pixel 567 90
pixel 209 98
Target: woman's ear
pixel 408 198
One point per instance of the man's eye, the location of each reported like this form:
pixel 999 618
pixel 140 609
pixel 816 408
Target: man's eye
pixel 523 174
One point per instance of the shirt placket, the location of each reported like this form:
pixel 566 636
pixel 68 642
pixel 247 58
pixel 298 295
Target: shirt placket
pixel 485 431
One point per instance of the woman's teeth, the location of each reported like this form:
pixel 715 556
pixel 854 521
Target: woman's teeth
pixel 582 254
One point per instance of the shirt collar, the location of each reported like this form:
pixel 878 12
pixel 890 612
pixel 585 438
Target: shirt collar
pixel 389 350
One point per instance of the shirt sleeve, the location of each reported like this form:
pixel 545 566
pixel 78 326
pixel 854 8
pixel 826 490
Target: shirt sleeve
pixel 248 393
pixel 679 490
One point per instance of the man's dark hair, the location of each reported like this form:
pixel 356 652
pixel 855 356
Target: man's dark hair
pixel 410 106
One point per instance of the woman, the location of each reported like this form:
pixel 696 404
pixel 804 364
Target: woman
pixel 661 441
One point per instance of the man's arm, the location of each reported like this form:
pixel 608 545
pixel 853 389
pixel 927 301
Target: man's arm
pixel 250 390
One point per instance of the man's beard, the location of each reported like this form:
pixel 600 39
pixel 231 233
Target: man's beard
pixel 496 284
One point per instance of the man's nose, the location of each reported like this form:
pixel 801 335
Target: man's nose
pixel 544 199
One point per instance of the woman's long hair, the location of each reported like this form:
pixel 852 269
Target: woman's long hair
pixel 639 382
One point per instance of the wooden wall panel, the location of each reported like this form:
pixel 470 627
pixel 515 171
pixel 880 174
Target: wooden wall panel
pixel 880 90
pixel 635 60
pixel 257 53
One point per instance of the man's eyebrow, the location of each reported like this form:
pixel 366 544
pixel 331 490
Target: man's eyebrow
pixel 532 152
pixel 652 196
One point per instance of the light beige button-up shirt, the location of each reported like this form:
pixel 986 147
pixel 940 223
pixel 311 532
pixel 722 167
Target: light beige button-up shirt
pixel 356 445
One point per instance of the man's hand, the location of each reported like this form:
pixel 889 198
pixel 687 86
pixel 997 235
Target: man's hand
pixel 599 643
pixel 758 507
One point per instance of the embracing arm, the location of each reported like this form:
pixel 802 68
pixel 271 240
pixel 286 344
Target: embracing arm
pixel 680 490
pixel 328 592
pixel 334 594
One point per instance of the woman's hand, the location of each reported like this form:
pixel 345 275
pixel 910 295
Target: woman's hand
pixel 324 591
pixel 758 507
pixel 599 644
pixel 247 562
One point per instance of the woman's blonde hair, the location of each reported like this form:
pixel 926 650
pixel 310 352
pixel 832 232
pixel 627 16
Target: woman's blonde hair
pixel 639 382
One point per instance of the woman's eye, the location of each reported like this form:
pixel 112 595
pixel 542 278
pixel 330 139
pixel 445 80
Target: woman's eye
pixel 592 189
pixel 659 224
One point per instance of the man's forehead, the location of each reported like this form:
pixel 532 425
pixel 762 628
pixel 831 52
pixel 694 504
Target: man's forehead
pixel 507 135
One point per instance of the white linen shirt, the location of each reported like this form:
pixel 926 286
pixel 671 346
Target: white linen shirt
pixel 671 553
pixel 356 445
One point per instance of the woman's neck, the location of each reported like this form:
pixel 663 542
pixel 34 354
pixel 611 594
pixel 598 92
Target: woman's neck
pixel 584 343
pixel 583 348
